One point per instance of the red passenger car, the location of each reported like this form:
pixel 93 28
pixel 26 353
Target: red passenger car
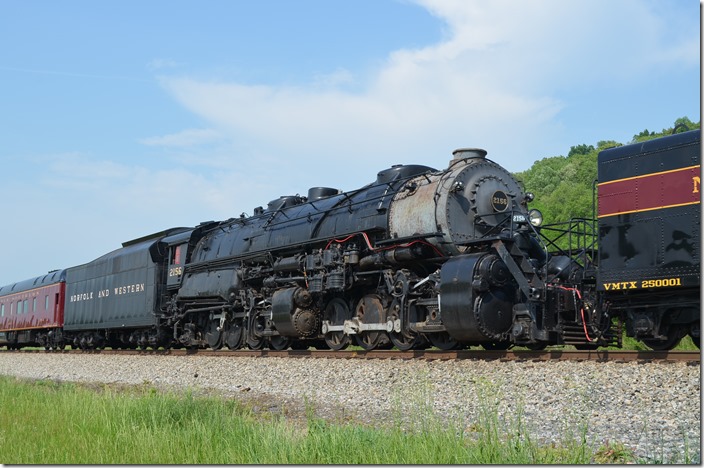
pixel 32 311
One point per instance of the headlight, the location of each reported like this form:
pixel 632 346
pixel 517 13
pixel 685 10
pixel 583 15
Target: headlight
pixel 536 217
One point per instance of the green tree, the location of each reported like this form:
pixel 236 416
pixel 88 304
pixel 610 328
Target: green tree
pixel 563 186
pixel 580 149
pixel 683 124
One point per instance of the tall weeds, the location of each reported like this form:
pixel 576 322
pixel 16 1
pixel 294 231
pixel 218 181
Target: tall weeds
pixel 50 423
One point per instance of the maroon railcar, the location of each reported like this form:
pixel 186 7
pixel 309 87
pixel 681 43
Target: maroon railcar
pixel 650 237
pixel 32 311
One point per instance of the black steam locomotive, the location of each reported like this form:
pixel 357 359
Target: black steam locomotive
pixel 417 258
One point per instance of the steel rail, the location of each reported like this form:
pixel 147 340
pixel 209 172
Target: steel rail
pixel 428 355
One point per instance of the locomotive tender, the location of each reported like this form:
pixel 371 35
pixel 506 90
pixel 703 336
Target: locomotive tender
pixel 420 257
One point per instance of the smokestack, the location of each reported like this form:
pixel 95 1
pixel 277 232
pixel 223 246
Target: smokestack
pixel 466 153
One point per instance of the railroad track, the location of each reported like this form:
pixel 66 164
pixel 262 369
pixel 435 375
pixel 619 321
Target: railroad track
pixel 429 355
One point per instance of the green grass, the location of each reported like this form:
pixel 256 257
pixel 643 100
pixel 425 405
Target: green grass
pixel 60 423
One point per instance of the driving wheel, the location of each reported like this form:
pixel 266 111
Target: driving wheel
pixel 336 313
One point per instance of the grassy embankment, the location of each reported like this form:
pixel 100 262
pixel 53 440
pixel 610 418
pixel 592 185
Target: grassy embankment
pixel 50 423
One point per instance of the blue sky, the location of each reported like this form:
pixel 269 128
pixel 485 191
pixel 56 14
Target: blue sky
pixel 122 118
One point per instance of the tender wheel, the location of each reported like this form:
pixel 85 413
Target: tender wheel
pixel 443 341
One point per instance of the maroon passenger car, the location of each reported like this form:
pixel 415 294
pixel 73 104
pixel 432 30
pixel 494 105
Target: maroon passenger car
pixel 32 311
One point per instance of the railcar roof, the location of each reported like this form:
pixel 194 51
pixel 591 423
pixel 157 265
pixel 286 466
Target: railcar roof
pixel 651 146
pixel 52 277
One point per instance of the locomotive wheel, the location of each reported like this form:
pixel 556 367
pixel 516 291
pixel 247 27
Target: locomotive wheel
pixel 279 343
pixel 501 346
pixel 536 346
pixel 443 341
pixel 370 310
pixel 695 340
pixel 336 312
pixel 255 342
pixel 214 336
pixel 337 341
pixel 673 338
pixel 404 339
pixel 368 340
pixel 233 336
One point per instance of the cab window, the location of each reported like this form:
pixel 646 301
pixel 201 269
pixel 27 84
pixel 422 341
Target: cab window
pixel 176 255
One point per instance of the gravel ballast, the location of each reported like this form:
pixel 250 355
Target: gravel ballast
pixel 652 408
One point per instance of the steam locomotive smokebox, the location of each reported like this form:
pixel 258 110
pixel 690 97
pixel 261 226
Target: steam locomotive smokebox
pixel 472 311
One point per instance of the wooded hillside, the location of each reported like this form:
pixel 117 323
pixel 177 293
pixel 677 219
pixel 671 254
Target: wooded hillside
pixel 562 185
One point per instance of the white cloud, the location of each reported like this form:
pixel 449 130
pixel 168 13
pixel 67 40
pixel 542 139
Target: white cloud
pixel 162 64
pixel 188 137
pixel 498 72
pixel 339 77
